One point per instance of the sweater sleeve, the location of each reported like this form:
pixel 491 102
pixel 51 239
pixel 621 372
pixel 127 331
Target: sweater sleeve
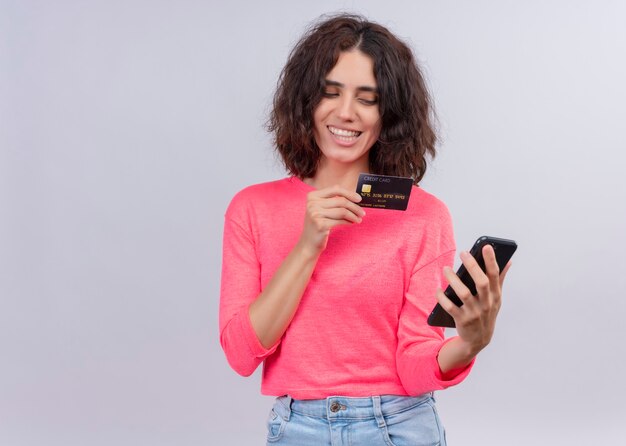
pixel 240 285
pixel 418 342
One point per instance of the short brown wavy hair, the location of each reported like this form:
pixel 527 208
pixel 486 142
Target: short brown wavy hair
pixel 408 132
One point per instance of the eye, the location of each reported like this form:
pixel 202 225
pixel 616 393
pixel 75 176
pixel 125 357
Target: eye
pixel 368 99
pixel 328 93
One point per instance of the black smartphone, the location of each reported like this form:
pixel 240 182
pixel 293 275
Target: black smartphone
pixel 504 250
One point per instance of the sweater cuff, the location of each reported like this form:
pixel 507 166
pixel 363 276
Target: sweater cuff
pixel 460 374
pixel 254 345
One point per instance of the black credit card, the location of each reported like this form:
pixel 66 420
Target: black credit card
pixel 384 191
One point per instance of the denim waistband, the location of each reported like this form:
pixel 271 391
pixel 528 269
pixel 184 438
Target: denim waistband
pixel 349 408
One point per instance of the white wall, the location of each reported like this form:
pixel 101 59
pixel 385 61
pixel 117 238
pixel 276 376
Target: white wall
pixel 127 126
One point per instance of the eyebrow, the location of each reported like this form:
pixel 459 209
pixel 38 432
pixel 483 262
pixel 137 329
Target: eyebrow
pixel 328 82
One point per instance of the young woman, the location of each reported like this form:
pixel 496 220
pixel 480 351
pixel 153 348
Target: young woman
pixel 331 297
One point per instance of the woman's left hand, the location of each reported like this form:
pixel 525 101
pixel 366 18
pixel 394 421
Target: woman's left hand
pixel 476 319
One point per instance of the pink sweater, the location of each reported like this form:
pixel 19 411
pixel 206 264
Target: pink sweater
pixel 360 329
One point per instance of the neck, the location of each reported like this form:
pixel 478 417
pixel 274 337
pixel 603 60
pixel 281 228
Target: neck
pixel 331 174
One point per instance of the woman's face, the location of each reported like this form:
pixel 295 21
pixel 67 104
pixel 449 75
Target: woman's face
pixel 347 120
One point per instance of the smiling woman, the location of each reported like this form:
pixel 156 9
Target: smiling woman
pixel 407 133
pixel 347 120
pixel 343 340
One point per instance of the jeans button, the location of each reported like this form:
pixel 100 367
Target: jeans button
pixel 334 407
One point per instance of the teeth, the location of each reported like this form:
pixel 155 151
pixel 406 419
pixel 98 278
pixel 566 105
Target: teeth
pixel 342 132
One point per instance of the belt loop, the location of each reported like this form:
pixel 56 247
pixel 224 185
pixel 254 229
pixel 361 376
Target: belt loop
pixel 288 402
pixel 378 412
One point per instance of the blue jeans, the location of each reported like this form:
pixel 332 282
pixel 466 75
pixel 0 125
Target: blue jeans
pixel 341 421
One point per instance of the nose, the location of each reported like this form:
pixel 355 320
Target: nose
pixel 346 108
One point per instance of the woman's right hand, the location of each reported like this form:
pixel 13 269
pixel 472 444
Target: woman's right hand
pixel 325 209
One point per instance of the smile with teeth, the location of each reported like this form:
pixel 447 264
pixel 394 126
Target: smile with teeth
pixel 344 135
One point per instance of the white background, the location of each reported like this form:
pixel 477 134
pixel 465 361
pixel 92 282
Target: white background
pixel 127 126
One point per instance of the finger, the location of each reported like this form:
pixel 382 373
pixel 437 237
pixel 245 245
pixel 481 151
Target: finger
pixel 337 202
pixel 447 304
pixel 334 191
pixel 317 209
pixel 493 273
pixel 337 214
pixel 322 224
pixel 504 271
pixel 332 223
pixel 475 271
pixel 459 287
pixel 491 264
